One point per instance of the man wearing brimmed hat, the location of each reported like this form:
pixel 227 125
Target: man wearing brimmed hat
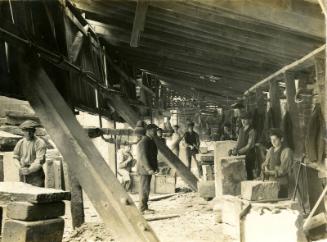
pixel 147 165
pixel 30 153
pixel 278 163
pixel 246 143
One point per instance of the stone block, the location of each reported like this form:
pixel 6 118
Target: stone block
pixel 208 174
pixel 50 230
pixel 221 149
pixel 22 192
pixel 259 190
pixel 10 168
pixel 160 184
pixel 206 189
pixel 32 212
pixel 208 157
pixel 271 225
pixel 229 173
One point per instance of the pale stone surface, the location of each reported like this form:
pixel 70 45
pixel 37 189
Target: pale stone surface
pixel 208 173
pixel 50 230
pixel 262 225
pixel 208 157
pixel 10 167
pixel 259 190
pixel 229 173
pixel 206 189
pixel 19 191
pixel 221 149
pixel 32 212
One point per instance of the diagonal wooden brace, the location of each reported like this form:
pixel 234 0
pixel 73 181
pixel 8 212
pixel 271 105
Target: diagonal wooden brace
pixel 110 200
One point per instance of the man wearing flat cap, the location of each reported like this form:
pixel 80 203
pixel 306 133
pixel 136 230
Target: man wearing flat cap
pixel 30 153
pixel 246 143
pixel 147 165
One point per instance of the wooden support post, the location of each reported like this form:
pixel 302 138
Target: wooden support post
pixel 139 22
pixel 293 111
pixel 76 204
pixel 109 198
pixel 131 117
pixel 275 102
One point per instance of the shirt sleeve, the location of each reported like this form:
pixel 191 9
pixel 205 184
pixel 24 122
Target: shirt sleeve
pixel 268 158
pixel 17 150
pixel 40 150
pixel 286 160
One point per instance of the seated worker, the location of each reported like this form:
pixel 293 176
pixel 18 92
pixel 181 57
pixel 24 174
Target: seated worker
pixel 279 160
pixel 245 144
pixel 192 144
pixel 227 132
pixel 30 153
pixel 125 164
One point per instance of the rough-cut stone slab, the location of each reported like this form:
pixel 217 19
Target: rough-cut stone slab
pixel 272 225
pixel 208 157
pixel 229 173
pixel 22 192
pixel 10 167
pixel 259 190
pixel 231 209
pixel 8 141
pixel 32 212
pixel 208 174
pixel 206 189
pixel 50 230
pixel 221 149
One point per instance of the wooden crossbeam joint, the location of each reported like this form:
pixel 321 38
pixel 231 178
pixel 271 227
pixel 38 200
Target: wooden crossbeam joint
pixel 139 22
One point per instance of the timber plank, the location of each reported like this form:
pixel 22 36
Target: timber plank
pixel 110 200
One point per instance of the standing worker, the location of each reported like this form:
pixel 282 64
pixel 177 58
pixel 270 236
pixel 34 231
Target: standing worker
pixel 147 165
pixel 175 140
pixel 278 163
pixel 125 164
pixel 30 153
pixel 245 144
pixel 192 143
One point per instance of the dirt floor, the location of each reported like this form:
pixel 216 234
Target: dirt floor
pixel 195 224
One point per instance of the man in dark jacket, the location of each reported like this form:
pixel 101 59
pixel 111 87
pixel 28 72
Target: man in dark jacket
pixel 147 165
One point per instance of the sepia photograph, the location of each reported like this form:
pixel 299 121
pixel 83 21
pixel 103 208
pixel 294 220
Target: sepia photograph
pixel 163 121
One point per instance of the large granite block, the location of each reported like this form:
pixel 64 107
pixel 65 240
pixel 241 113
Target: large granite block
pixel 50 230
pixel 32 212
pixel 22 192
pixel 221 149
pixel 279 223
pixel 229 173
pixel 259 190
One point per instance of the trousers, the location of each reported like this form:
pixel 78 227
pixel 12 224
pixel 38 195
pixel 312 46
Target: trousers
pixel 145 181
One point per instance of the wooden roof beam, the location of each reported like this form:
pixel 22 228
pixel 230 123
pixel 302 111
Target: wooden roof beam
pixel 274 13
pixel 287 68
pixel 139 22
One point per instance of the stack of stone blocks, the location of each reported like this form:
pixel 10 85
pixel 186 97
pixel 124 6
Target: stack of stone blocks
pixel 33 214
